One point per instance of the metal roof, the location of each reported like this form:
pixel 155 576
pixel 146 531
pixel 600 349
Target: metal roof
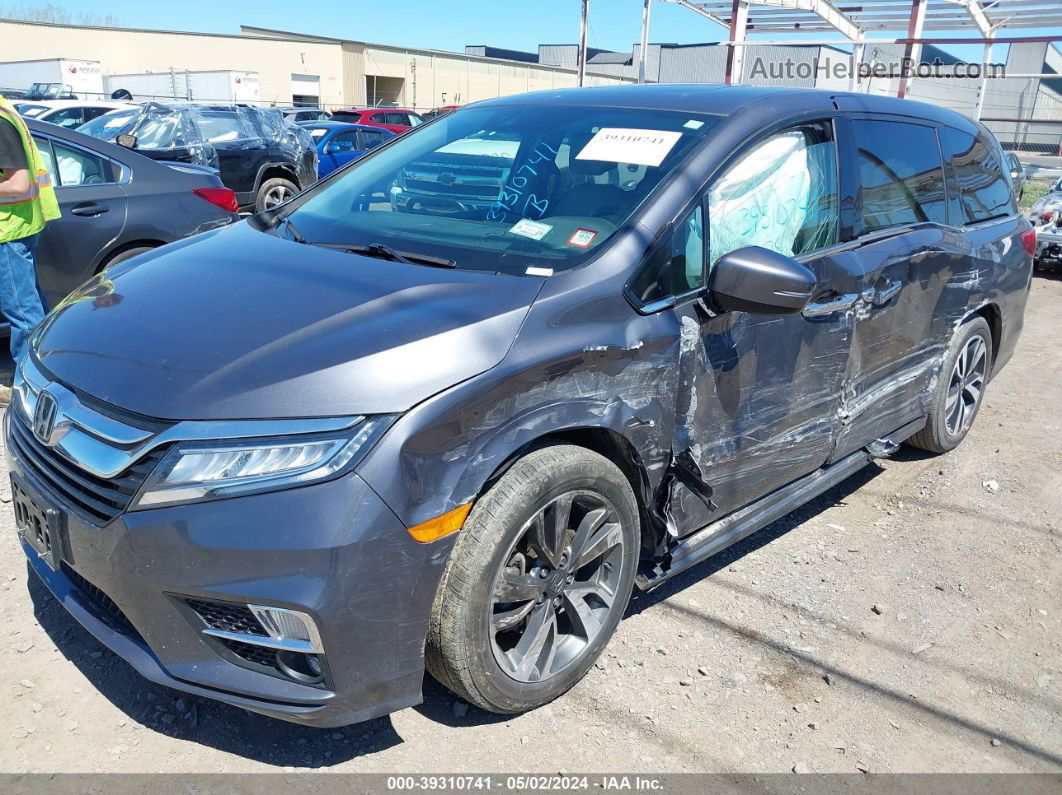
pixel 788 16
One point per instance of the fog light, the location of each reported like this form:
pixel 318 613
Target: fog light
pixel 304 668
pixel 295 629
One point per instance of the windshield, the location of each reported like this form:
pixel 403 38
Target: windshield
pixel 154 131
pixel 504 188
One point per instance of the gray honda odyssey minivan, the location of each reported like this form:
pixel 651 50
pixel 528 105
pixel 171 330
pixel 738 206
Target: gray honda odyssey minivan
pixel 307 456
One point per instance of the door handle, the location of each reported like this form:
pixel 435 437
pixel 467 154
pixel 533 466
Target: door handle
pixel 839 303
pixel 90 210
pixel 884 295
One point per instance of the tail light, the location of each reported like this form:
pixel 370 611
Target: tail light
pixel 219 197
pixel 1028 242
pixel 1047 216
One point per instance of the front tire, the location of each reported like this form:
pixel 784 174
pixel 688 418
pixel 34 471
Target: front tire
pixel 960 389
pixel 537 582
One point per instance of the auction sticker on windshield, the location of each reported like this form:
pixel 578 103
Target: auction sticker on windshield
pixel 623 145
pixel 582 238
pixel 531 229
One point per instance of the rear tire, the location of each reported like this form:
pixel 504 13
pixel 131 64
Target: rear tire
pixel 273 192
pixel 527 602
pixel 960 389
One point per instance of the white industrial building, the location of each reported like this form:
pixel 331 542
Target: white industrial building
pixel 283 68
pixel 290 67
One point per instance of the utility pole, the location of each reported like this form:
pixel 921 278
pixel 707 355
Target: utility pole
pixel 645 41
pixel 583 24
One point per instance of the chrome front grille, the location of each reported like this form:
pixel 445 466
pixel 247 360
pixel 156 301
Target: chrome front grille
pixel 100 499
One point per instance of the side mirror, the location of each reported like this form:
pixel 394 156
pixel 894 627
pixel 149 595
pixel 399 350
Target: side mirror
pixel 761 281
pixel 126 140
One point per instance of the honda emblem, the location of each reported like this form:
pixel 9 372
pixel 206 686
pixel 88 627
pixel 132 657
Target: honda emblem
pixel 44 417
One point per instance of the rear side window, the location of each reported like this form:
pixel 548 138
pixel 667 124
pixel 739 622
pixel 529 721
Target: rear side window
pixel 221 126
pixel 900 174
pixel 78 167
pixel 367 139
pixel 980 188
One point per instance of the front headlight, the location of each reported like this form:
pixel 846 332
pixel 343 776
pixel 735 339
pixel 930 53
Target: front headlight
pixel 193 472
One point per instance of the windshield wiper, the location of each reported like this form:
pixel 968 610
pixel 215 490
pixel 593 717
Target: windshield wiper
pixel 383 251
pixel 272 221
pixel 293 230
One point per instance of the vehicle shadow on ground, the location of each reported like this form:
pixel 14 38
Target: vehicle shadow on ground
pixel 949 720
pixel 199 720
pixel 836 495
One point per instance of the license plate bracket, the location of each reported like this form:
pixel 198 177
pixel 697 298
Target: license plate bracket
pixel 38 522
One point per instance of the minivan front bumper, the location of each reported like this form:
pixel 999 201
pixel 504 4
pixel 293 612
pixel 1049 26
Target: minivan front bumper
pixel 333 551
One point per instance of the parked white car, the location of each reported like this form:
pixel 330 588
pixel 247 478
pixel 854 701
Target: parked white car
pixel 70 113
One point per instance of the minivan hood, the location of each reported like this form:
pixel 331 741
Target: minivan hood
pixel 239 324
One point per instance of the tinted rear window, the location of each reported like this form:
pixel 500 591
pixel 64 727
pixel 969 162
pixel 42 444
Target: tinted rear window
pixel 900 174
pixel 980 188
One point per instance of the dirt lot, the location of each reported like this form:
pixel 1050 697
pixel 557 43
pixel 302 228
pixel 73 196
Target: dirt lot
pixel 910 620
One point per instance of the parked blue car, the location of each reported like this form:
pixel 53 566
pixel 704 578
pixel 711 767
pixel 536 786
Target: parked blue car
pixel 339 142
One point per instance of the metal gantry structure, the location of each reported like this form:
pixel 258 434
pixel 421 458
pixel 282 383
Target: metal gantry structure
pixel 981 21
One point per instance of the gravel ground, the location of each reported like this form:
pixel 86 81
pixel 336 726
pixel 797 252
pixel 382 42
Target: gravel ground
pixel 908 621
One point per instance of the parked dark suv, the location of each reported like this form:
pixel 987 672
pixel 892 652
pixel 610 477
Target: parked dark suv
pixel 262 157
pixel 315 450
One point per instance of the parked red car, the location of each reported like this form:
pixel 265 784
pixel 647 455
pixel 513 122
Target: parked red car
pixel 397 120
pixel 440 111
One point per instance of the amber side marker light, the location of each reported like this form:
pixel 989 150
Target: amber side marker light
pixel 434 529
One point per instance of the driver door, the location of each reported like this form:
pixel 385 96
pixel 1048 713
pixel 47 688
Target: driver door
pixel 759 393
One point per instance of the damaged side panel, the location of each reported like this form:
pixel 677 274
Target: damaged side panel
pixel 595 364
pixel 944 275
pixel 757 401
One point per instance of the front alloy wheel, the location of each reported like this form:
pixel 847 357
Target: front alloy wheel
pixel 557 587
pixel 537 581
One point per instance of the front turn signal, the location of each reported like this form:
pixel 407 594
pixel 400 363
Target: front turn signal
pixel 434 529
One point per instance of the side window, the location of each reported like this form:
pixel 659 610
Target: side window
pixel 44 146
pixel 368 139
pixel 222 126
pixel 900 174
pixel 781 195
pixel 981 189
pixel 92 113
pixel 68 117
pixel 344 142
pixel 677 265
pixel 78 167
pixel 414 120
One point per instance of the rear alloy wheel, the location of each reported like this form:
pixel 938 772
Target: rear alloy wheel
pixel 959 390
pixel 273 192
pixel 965 386
pixel 537 581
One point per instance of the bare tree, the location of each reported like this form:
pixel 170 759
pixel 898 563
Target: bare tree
pixel 50 12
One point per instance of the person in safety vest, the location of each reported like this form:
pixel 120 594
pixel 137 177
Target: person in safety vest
pixel 27 203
